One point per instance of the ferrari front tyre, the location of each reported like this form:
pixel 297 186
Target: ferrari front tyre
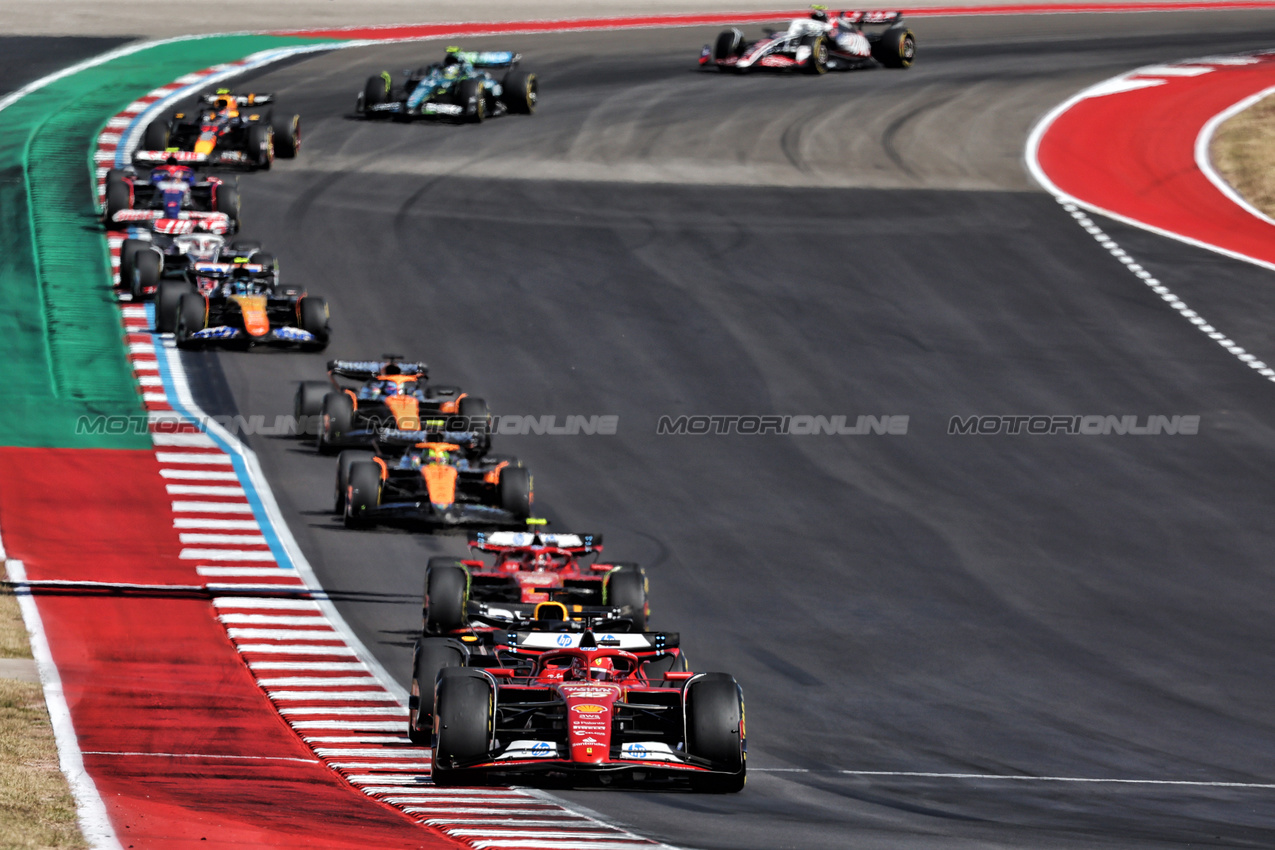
pixel 287 134
pixel 715 732
pixel 314 320
pixel 336 418
pixel 473 100
pixel 626 587
pixel 362 495
pixel 515 491
pixel 520 91
pixel 192 316
pixel 818 61
pixel 446 590
pixel 144 272
pixel 430 657
pixel 463 701
pixel 896 48
pixel 156 136
pixel 167 300
pixel 260 146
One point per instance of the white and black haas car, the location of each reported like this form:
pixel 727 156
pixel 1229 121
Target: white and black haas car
pixel 817 44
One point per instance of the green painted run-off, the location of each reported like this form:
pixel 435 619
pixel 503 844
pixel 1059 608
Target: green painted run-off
pixel 60 332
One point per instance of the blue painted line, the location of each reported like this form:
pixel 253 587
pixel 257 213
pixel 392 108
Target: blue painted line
pixel 236 459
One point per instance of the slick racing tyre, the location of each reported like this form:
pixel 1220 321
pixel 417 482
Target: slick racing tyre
pixel 144 274
pixel 167 300
pixel 446 588
pixel 715 731
pixel 156 136
pixel 260 146
pixel 896 48
pixel 343 463
pixel 729 43
pixel 192 316
pixel 375 92
pixel 472 98
pixel 127 251
pixel 307 407
pixel 118 196
pixel 362 495
pixel 429 658
pixel 463 701
pixel 520 91
pixel 313 318
pixel 477 418
pixel 337 417
pixel 227 202
pixel 515 491
pixel 818 61
pixel 626 587
pixel 287 134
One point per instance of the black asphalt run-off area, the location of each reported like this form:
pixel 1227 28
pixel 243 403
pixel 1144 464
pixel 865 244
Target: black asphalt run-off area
pixel 655 241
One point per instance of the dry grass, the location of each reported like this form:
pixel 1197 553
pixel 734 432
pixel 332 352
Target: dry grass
pixel 1243 152
pixel 36 807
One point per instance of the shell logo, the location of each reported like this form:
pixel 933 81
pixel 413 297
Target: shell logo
pixel 588 709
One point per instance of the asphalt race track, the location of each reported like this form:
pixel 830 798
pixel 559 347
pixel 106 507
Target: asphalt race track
pixel 657 241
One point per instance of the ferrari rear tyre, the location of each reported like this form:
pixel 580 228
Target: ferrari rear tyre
pixel 515 491
pixel 818 61
pixel 314 319
pixel 429 658
pixel 287 134
pixel 520 91
pixel 446 589
pixel 146 268
pixel 715 731
pixel 167 300
pixel 192 316
pixel 463 701
pixel 626 587
pixel 156 136
pixel 344 461
pixel 337 417
pixel 896 48
pixel 473 101
pixel 362 495
pixel 260 146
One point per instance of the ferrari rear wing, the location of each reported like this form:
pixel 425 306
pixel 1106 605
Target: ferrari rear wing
pixel 636 642
pixel 366 370
pixel 550 542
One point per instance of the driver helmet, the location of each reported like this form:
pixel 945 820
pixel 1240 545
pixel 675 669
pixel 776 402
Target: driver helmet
pixel 203 246
pixel 388 388
pixel 602 670
pixel 438 456
pixel 820 14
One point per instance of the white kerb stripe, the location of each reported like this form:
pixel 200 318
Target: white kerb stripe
pixel 263 602
pixel 355 739
pixel 271 619
pixel 339 711
pixel 203 490
pixel 295 649
pixel 209 458
pixel 309 681
pixel 331 696
pixel 227 572
pixel 205 522
pixel 212 507
pixel 618 842
pixel 356 725
pixel 226 555
pixel 187 440
pixel 285 634
pixel 208 537
pixel 199 474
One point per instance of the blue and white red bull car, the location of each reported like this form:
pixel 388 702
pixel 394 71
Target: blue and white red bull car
pixel 170 199
pixel 593 712
pixel 817 44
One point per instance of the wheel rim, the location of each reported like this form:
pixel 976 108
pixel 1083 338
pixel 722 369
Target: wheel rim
pixel 909 49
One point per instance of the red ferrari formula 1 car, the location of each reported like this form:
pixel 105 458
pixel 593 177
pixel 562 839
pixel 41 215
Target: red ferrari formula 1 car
pixel 589 713
pixel 534 577
pixel 818 44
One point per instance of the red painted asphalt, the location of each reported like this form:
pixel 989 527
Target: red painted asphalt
pixel 1132 153
pixel 155 674
pixel 474 28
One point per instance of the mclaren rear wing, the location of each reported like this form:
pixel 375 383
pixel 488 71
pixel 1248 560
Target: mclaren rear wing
pixel 366 370
pixel 396 438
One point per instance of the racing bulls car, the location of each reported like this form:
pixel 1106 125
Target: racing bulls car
pixel 534 577
pixel 146 256
pixel 432 479
pixel 394 394
pixel 818 44
pixel 170 192
pixel 242 303
pixel 244 130
pixel 590 712
pixel 460 87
